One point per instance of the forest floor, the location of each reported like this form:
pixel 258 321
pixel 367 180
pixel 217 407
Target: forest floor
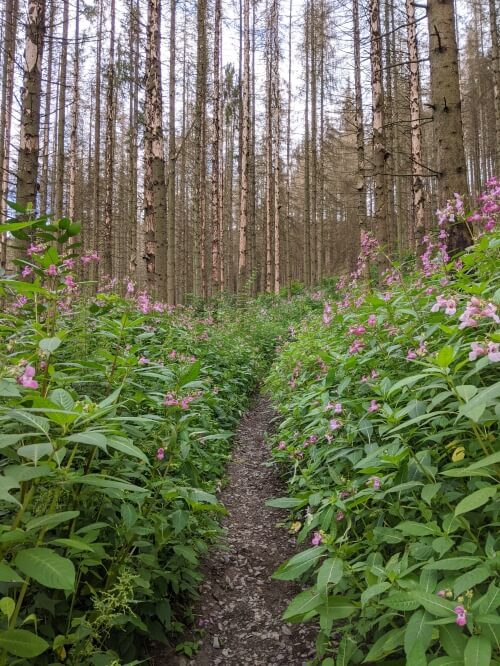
pixel 240 606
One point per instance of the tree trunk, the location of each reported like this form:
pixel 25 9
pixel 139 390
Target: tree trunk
pixel 155 196
pixel 245 149
pixel 446 108
pixel 360 132
pixel 10 17
pixel 418 225
pixel 61 116
pixel 379 149
pixel 171 258
pixel 495 67
pixel 27 175
pixel 215 236
pixel 74 117
pixel 106 265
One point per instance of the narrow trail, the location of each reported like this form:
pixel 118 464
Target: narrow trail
pixel 240 605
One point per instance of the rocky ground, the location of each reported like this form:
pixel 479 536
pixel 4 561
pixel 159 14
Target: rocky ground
pixel 240 605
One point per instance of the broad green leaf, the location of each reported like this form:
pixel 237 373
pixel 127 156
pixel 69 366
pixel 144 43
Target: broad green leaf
pixel 303 603
pixel 474 408
pixel 180 519
pixel 445 356
pixel 373 591
pixel 411 528
pixel 491 600
pixel 286 503
pixel 385 645
pixel 90 437
pixel 477 651
pixel 299 563
pixel 9 389
pixel 416 657
pixel 447 661
pixel 347 647
pixel 105 482
pixel 75 543
pixel 49 345
pixel 453 563
pixel 8 575
pixel 190 375
pixel 429 491
pixel 22 643
pixel 433 604
pixel 50 521
pixel 7 606
pixel 452 640
pixel 35 452
pixel 187 553
pixel 124 445
pixel 475 500
pixel 39 423
pixel 400 601
pixel 470 579
pixel 62 398
pixel 418 631
pixel 338 608
pixel 47 568
pixel 329 573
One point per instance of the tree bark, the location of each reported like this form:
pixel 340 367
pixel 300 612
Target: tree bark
pixel 495 67
pixel 171 258
pixel 245 150
pixel 446 110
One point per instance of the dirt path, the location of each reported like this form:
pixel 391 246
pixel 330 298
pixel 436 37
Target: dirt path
pixel 240 605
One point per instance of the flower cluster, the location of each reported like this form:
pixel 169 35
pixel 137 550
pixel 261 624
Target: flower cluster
pixel 26 379
pixel 171 401
pixel 489 349
pixel 447 304
pixel 477 309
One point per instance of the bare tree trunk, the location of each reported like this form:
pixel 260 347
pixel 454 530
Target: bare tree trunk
pixel 276 130
pixel 269 163
pixel 61 116
pixel 97 137
pixel 44 175
pixel 106 265
pixel 245 149
pixel 27 175
pixel 10 17
pixel 446 107
pixel 199 151
pixel 416 130
pixel 155 196
pixel 215 151
pixel 74 116
pixel 134 45
pixel 360 130
pixel 307 277
pixel 171 167
pixel 495 66
pixel 313 37
pixel 379 149
pixel 288 151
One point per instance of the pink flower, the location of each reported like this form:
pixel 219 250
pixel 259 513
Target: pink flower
pixel 356 346
pixel 461 614
pixel 26 379
pixel 170 401
pixel 334 424
pixel 410 355
pixel 160 454
pixel 357 330
pixel 317 539
pixel 372 320
pixel 51 270
pixel 27 270
pixel 477 350
pixel 442 594
pixel 374 406
pixel 130 287
pixel 143 360
pixel 70 282
pixel 448 304
pixel 69 263
pixel 281 446
pixel 494 351
pixel 375 482
pixel 337 409
pixel 327 314
pixel 35 249
pixel 340 516
pixel 374 374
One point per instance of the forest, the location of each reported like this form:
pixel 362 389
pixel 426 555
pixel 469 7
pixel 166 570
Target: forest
pixel 249 332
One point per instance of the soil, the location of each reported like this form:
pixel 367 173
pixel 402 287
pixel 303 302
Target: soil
pixel 240 606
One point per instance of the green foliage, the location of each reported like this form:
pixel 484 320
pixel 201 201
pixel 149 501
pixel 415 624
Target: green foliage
pixel 389 441
pixel 116 421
